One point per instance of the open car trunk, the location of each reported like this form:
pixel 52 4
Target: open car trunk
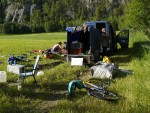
pixel 85 39
pixel 123 38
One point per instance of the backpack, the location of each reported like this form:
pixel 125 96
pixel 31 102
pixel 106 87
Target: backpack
pixel 73 85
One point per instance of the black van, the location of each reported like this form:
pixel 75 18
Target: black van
pixel 85 38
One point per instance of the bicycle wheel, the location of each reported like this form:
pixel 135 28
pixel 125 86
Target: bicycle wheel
pixel 105 95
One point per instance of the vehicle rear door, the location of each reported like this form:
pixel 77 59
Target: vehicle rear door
pixel 123 38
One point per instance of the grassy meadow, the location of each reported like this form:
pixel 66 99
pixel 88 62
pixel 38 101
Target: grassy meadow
pixel 49 94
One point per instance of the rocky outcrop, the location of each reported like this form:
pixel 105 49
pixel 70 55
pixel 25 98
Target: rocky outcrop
pixel 9 12
pixel 15 12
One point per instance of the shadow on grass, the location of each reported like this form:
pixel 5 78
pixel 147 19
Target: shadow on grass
pixel 50 65
pixel 35 91
pixel 122 74
pixel 48 96
pixel 50 92
pixel 137 51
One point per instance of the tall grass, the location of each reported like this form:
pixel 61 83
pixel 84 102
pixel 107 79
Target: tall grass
pixel 49 94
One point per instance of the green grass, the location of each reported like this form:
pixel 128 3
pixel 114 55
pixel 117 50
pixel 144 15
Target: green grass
pixel 49 94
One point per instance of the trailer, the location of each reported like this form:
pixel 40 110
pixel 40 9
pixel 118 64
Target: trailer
pixel 85 41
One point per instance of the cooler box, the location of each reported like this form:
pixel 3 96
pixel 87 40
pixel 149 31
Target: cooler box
pixel 76 51
pixel 16 69
pixel 76 48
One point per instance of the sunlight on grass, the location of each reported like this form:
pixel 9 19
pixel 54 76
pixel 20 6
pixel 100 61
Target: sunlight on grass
pixel 49 94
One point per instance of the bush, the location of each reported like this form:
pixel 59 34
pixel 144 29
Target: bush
pixel 15 28
pixel 6 28
pixel 51 26
pixel 1 28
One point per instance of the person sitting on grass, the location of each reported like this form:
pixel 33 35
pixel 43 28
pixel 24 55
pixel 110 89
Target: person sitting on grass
pixel 56 49
pixel 65 45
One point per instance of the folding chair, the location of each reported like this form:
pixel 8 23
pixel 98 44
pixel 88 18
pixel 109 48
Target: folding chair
pixel 32 73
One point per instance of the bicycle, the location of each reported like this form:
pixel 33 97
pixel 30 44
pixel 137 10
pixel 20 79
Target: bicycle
pixel 97 91
pixel 100 92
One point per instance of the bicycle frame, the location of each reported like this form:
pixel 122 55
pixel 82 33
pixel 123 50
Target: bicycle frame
pixel 94 86
pixel 91 85
pixel 100 92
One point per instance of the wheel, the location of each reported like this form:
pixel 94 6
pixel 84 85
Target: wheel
pixel 105 95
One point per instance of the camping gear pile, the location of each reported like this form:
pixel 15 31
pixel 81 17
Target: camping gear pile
pixel 104 70
pixel 45 53
pixel 14 59
pixel 48 54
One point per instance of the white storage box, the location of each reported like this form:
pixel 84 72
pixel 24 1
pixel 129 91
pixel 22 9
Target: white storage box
pixel 76 61
pixel 16 69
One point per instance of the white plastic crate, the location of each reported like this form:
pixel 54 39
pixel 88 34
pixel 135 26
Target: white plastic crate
pixel 16 69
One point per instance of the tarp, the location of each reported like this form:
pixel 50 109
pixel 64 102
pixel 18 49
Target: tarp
pixel 104 70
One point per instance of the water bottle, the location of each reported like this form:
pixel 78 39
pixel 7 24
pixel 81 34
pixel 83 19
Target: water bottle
pixel 19 84
pixel 14 62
